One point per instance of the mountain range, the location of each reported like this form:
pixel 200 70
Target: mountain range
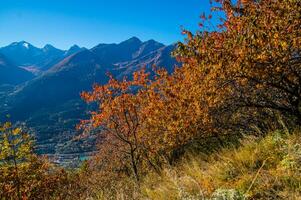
pixel 41 86
pixel 27 56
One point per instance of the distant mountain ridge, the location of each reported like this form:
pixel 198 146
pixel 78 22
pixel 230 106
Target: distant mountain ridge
pixel 24 54
pixel 50 101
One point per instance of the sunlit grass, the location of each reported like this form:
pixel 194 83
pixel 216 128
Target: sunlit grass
pixel 268 168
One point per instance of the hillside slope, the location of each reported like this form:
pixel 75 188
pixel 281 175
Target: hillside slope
pixel 260 168
pixel 12 75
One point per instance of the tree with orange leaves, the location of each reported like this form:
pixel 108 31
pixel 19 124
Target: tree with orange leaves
pixel 252 65
pixel 119 119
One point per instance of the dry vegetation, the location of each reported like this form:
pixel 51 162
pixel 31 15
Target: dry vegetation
pixel 266 168
pixel 234 87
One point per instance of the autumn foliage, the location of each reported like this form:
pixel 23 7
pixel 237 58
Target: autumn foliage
pixel 120 119
pixel 25 175
pixel 252 65
pixel 241 78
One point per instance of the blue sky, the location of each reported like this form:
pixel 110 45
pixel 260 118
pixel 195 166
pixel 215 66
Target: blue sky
pixel 63 23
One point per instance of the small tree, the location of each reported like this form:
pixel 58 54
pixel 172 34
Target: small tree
pixel 118 121
pixel 24 175
pixel 15 153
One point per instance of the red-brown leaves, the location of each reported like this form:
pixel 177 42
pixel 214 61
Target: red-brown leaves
pixel 230 80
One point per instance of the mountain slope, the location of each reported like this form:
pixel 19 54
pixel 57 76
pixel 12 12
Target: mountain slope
pixel 10 74
pixel 72 50
pixel 159 58
pixel 61 83
pixel 51 103
pixel 130 49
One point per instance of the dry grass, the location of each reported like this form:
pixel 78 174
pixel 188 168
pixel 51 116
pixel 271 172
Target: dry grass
pixel 268 168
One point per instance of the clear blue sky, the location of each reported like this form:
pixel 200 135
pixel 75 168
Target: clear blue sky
pixel 63 23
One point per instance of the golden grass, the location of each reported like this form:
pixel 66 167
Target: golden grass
pixel 268 168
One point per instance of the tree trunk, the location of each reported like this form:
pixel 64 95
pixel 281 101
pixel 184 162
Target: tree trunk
pixel 134 164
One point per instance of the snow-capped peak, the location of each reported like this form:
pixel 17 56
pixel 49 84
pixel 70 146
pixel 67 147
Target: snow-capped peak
pixel 26 45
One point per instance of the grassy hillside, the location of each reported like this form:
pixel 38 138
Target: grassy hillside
pixel 261 168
